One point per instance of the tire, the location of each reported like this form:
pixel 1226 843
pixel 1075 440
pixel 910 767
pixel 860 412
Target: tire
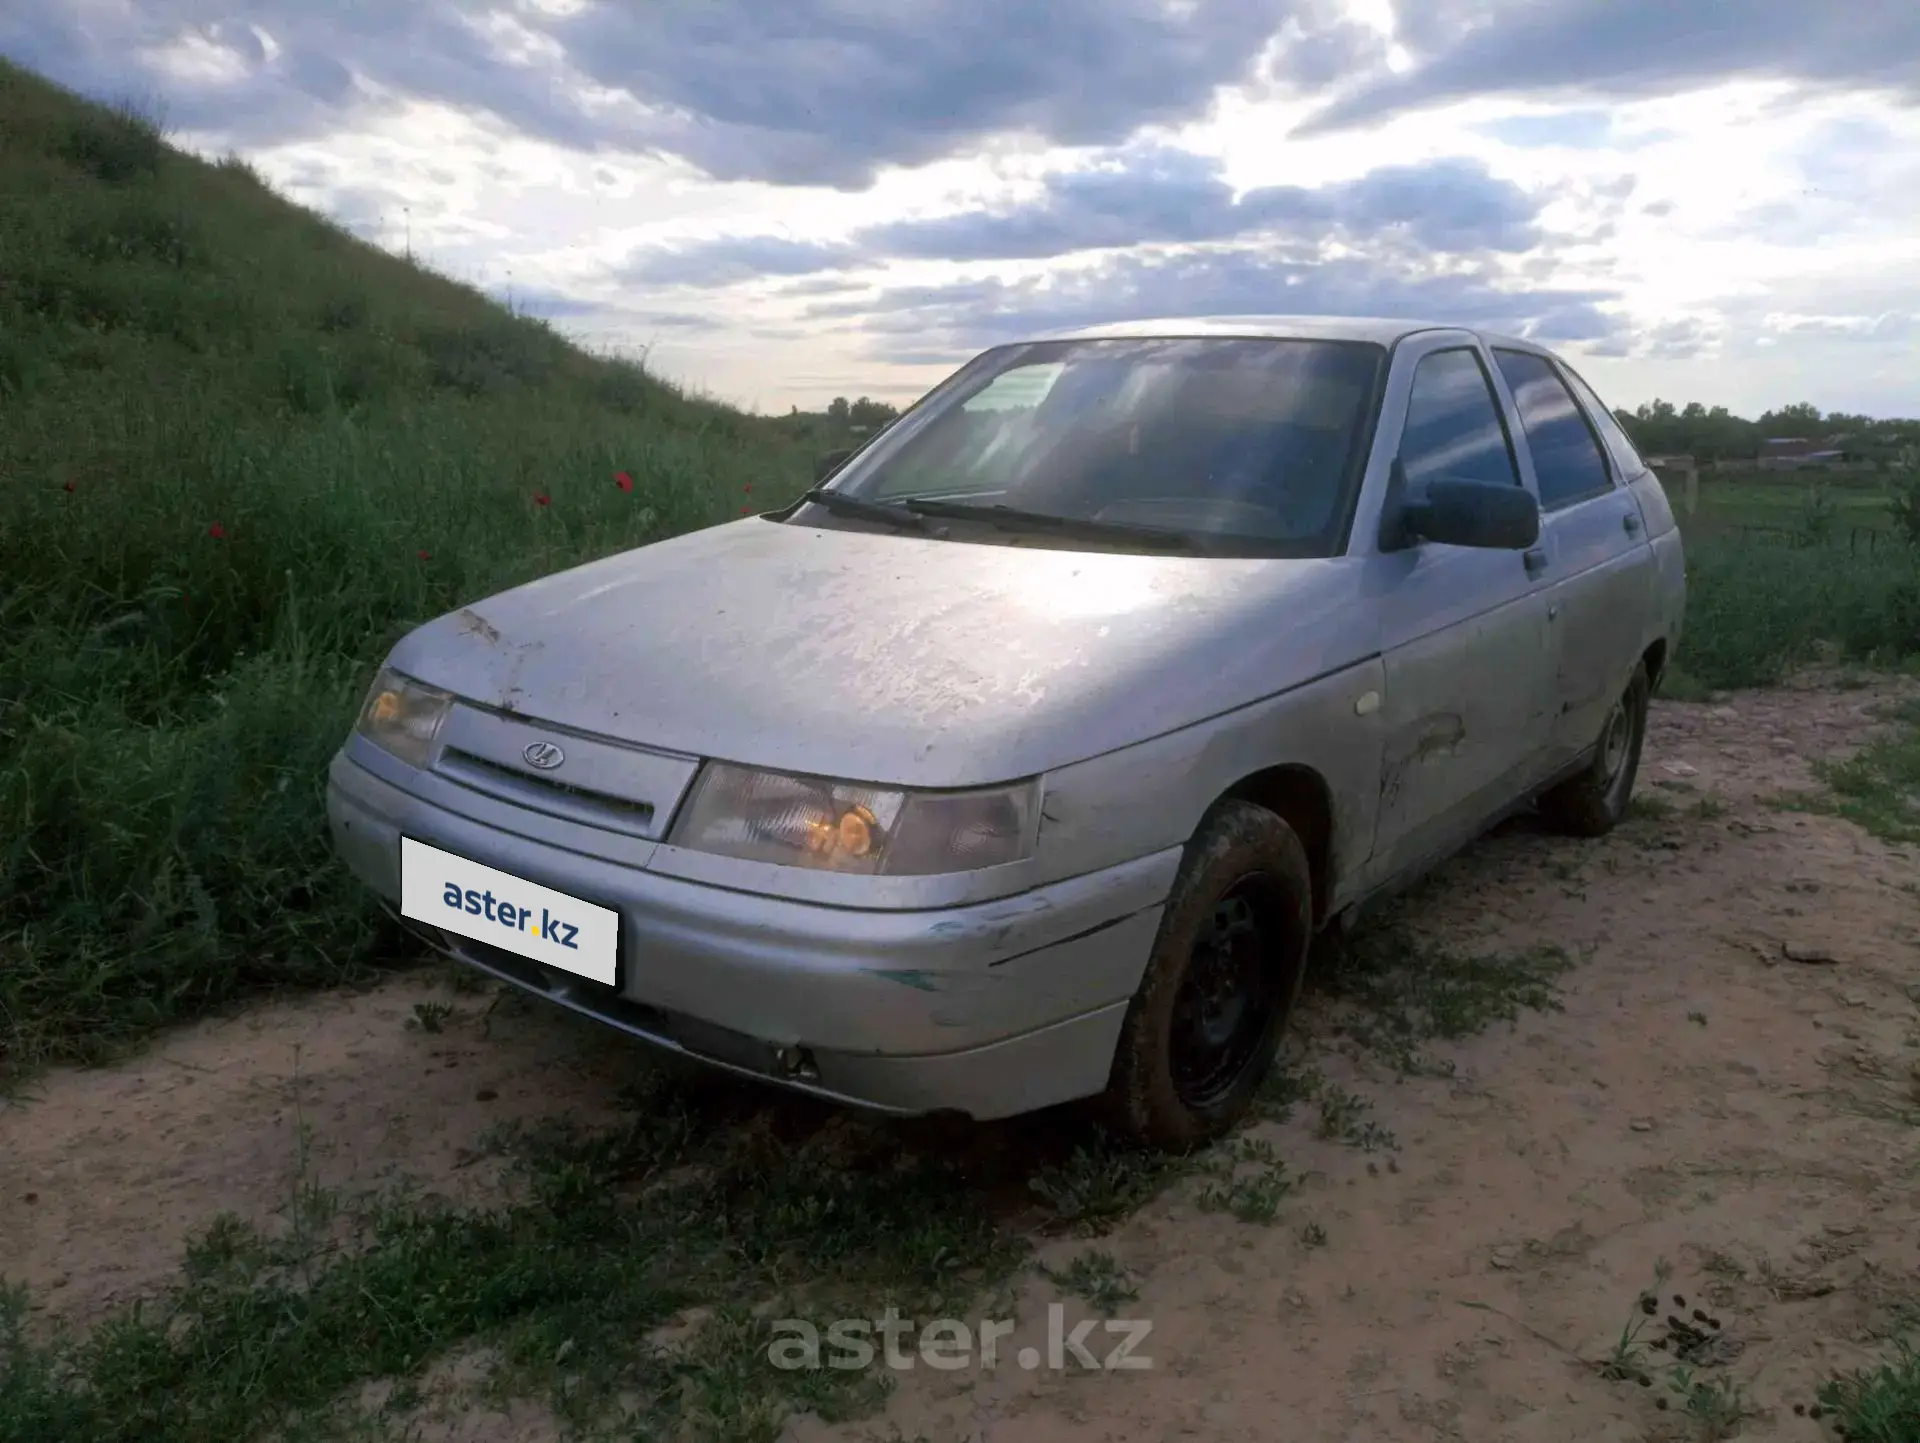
pixel 1225 971
pixel 1593 803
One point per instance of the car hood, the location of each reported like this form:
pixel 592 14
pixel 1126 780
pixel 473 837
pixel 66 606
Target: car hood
pixel 883 657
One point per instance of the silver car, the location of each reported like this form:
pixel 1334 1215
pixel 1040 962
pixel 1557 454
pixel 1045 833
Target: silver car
pixel 1024 758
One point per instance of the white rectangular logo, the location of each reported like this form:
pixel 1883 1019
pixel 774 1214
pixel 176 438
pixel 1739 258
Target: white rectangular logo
pixel 460 896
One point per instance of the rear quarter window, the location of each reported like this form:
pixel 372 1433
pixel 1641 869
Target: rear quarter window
pixel 1626 459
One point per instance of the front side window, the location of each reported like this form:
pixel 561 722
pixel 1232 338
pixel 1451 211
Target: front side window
pixel 1454 431
pixel 1567 459
pixel 1227 439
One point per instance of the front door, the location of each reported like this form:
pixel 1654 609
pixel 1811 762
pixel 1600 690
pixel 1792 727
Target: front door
pixel 1599 590
pixel 1466 643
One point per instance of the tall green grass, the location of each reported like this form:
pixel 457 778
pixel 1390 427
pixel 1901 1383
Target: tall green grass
pixel 240 454
pixel 1758 608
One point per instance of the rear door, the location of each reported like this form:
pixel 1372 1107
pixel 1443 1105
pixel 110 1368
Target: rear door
pixel 1468 707
pixel 1600 583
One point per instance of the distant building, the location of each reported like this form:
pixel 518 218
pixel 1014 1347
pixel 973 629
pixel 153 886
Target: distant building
pixel 1793 453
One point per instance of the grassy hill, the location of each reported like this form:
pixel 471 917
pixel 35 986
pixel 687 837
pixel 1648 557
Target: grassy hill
pixel 240 453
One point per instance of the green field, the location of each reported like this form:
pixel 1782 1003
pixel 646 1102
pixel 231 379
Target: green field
pixel 1787 504
pixel 242 453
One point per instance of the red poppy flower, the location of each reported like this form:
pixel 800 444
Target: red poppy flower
pixel 424 555
pixel 748 488
pixel 540 498
pixel 623 480
pixel 746 510
pixel 217 531
pixel 66 486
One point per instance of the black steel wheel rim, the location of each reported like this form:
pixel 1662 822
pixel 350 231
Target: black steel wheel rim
pixel 1223 1012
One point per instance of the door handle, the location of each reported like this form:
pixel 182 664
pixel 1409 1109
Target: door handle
pixel 1536 561
pixel 1632 522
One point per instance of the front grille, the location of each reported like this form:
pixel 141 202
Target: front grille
pixel 544 794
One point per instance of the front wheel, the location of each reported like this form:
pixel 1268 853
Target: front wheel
pixel 1226 968
pixel 1594 802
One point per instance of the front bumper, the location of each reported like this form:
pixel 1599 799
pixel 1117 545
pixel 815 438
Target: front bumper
pixel 992 1009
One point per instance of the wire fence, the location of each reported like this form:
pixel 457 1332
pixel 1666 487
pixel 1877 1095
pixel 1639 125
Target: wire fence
pixel 1858 540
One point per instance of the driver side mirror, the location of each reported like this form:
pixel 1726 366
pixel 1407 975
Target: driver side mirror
pixel 830 463
pixel 1484 514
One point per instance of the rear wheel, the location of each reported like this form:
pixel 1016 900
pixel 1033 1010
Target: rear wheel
pixel 1593 803
pixel 1226 968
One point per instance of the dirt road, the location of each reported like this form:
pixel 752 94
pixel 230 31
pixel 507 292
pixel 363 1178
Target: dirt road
pixel 1726 1111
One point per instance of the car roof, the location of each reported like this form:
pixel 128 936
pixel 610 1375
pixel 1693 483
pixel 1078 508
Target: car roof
pixel 1379 330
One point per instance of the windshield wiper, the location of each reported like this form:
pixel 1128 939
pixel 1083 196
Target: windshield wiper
pixel 886 512
pixel 1012 518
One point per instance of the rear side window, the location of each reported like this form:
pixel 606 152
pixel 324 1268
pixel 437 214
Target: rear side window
pixel 1567 458
pixel 1454 431
pixel 1625 456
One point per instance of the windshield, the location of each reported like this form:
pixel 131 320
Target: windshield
pixel 1228 440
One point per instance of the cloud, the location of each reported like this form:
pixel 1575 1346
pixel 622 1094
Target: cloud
pixel 1680 339
pixel 968 316
pixel 729 259
pixel 826 92
pixel 1143 196
pixel 1579 129
pixel 1159 195
pixel 808 92
pixel 677 320
pixel 1633 48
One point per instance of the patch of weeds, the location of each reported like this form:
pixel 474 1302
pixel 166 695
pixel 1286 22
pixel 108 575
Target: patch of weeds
pixel 457 977
pixel 1625 1361
pixel 612 1238
pixel 429 1017
pixel 1343 1118
pixel 1718 1406
pixel 1677 684
pixel 1401 991
pixel 1878 1405
pixel 1649 807
pixel 1288 1082
pixel 507 355
pixel 342 313
pixel 1246 1179
pixel 1104 1180
pixel 1697 1018
pixel 138 231
pixel 1098 1277
pixel 1312 1235
pixel 1879 786
pixel 1708 809
pixel 118 146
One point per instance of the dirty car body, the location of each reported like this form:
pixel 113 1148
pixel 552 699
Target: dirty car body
pixel 887 796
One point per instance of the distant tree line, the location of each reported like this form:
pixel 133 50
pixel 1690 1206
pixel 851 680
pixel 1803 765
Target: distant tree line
pixel 1713 433
pixel 843 417
pixel 1658 428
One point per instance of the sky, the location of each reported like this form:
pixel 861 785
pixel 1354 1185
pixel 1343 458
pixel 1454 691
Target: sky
pixel 781 201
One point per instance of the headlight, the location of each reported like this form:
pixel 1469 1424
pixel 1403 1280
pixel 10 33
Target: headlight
pixel 846 827
pixel 402 717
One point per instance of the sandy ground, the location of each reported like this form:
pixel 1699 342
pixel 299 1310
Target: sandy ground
pixel 1704 1101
